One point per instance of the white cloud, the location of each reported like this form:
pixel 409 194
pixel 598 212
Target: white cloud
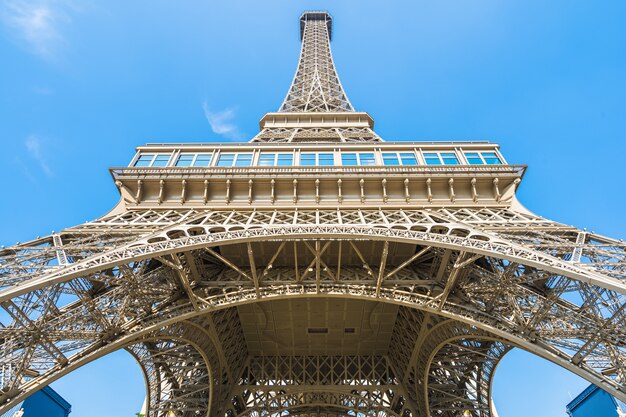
pixel 37 23
pixel 33 145
pixel 222 122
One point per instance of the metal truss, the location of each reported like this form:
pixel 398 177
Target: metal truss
pixel 316 135
pixel 466 283
pixel 316 86
pixel 177 368
pixel 343 384
pixel 501 277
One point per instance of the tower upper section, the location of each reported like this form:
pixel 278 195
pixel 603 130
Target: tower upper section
pixel 317 151
pixel 316 109
pixel 316 86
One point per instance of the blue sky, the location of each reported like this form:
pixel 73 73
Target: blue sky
pixel 84 82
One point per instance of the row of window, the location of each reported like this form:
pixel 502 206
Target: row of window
pixel 245 159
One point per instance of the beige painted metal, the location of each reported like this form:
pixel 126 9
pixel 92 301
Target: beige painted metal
pixel 314 291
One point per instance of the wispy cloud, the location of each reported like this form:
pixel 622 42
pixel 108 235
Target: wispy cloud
pixel 25 170
pixel 222 122
pixel 37 23
pixel 33 145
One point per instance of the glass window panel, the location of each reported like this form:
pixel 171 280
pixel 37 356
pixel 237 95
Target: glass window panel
pixel 226 160
pixel 285 160
pixel 326 159
pixel 367 159
pixel 184 160
pixel 432 159
pixel 449 159
pixel 203 160
pixel 491 158
pixel 408 159
pixel 243 160
pixel 307 159
pixel 348 159
pixel 390 159
pixel 144 160
pixel 267 159
pixel 473 158
pixel 161 160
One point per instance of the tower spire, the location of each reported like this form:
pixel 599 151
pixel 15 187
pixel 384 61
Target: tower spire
pixel 316 86
pixel 316 109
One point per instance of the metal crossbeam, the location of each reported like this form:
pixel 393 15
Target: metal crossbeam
pixel 207 299
pixel 316 86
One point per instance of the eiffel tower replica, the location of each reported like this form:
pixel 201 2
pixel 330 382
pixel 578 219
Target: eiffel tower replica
pixel 315 271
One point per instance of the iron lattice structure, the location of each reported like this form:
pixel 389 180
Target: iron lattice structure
pixel 314 291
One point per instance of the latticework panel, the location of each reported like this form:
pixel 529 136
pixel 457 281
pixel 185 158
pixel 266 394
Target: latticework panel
pixel 316 86
pixel 558 295
pixel 336 384
pixel 316 135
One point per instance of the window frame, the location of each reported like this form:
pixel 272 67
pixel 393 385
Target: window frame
pixel 152 160
pixel 275 159
pixel 194 159
pixel 235 160
pixel 359 161
pixel 440 157
pixel 482 157
pixel 399 158
pixel 317 158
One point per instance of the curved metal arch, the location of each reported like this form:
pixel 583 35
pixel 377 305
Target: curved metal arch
pixel 494 246
pixel 328 399
pixel 451 333
pixel 193 338
pixel 467 314
pixel 360 292
pixel 176 333
pixel 164 393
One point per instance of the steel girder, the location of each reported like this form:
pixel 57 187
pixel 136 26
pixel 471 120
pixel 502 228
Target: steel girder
pixel 315 90
pixel 273 384
pixel 315 86
pixel 504 278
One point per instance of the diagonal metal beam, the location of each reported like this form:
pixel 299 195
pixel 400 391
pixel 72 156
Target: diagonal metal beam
pixel 271 262
pixel 408 262
pixel 461 262
pixel 229 264
pixel 255 278
pixel 360 256
pixel 183 275
pixel 381 267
